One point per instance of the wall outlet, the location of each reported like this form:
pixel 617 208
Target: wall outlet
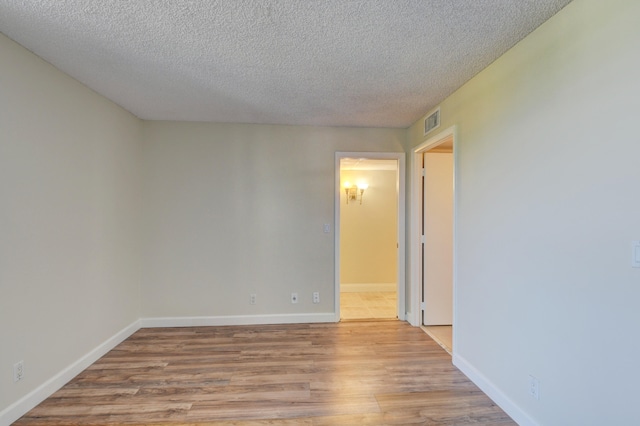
pixel 253 298
pixel 18 371
pixel 534 387
pixel 294 297
pixel 316 297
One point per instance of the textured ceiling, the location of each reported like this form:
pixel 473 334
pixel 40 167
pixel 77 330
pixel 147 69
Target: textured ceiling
pixel 380 63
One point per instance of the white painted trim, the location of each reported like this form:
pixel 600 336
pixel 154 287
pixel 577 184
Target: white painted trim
pixel 365 287
pixel 402 284
pixel 402 235
pixel 336 236
pixel 235 320
pixel 412 316
pixel 42 392
pixel 493 392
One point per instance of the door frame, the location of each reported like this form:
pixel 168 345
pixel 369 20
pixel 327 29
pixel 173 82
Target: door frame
pixel 401 256
pixel 414 316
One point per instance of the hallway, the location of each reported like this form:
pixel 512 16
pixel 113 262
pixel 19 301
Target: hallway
pixel 368 305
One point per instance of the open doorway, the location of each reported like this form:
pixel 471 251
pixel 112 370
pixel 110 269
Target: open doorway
pixel 433 247
pixel 369 236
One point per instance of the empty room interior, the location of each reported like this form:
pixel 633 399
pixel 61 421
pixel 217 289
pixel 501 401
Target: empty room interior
pixel 211 183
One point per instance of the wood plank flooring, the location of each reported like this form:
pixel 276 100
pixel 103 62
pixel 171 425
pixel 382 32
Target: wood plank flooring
pixel 442 334
pixel 351 373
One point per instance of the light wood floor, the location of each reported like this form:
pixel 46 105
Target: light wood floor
pixel 350 373
pixel 442 334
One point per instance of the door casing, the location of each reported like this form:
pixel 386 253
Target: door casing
pixel 401 262
pixel 414 316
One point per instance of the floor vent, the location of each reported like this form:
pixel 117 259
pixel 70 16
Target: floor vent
pixel 432 121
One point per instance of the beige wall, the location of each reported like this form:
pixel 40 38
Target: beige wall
pixel 368 231
pixel 547 160
pixel 69 196
pixel 232 210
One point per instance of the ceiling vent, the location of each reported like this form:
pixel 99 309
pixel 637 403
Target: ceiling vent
pixel 432 121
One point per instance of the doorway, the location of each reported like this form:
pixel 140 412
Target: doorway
pixel 433 252
pixel 369 217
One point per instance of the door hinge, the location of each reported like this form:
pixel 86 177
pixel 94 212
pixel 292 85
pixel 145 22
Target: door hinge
pixel 423 172
pixel 423 239
pixel 423 306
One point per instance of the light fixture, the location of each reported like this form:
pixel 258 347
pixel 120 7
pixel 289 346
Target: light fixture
pixel 355 192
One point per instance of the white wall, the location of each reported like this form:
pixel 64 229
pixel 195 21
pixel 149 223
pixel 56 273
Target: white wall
pixel 438 231
pixel 69 219
pixel 548 162
pixel 236 209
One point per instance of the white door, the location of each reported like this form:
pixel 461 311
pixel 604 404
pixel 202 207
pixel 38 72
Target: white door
pixel 438 238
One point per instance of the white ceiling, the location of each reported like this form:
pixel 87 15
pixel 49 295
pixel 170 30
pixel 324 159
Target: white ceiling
pixel 379 63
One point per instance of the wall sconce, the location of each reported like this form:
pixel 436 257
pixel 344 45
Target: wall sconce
pixel 355 192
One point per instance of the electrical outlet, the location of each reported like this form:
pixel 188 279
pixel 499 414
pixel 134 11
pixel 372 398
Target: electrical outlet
pixel 294 297
pixel 253 298
pixel 316 297
pixel 18 371
pixel 534 387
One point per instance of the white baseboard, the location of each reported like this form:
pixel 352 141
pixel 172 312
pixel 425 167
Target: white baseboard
pixel 366 287
pixel 502 400
pixel 42 392
pixel 236 320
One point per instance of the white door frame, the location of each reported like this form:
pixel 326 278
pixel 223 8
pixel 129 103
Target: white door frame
pixel 414 316
pixel 401 282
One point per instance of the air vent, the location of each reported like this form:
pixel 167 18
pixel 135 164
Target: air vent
pixel 432 121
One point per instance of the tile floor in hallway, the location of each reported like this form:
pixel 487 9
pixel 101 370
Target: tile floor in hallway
pixel 367 305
